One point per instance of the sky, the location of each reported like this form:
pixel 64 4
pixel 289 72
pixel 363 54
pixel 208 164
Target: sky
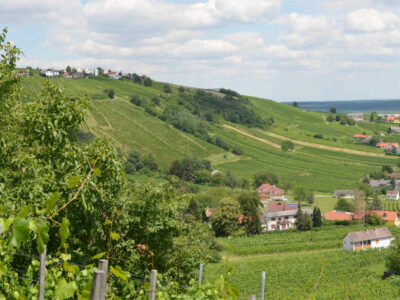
pixel 283 50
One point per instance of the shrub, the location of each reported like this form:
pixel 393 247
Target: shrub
pixel 167 89
pixel 287 145
pixel 147 82
pixel 318 136
pixel 110 93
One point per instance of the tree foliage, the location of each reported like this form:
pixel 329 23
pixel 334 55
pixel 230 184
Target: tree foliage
pixel 225 219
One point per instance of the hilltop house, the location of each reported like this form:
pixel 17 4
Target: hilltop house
pixel 281 220
pixel 394 129
pixel 349 194
pixel 391 119
pixel 356 116
pixel 392 195
pixel 368 239
pixel 387 146
pixel 267 191
pixel 394 175
pixel 114 75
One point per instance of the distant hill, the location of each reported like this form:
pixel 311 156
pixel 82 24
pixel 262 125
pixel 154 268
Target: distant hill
pixel 234 132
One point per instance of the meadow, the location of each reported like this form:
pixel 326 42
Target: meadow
pixel 317 268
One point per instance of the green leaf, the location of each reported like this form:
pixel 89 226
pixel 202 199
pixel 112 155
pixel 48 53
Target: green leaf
pixel 43 236
pixel 98 256
pixel 64 289
pixel 25 212
pixel 107 222
pixel 97 172
pixel 7 224
pixel 118 272
pixel 74 181
pixel 20 232
pixel 3 269
pixel 115 236
pixel 64 230
pixel 51 202
pixel 70 268
pixel 84 201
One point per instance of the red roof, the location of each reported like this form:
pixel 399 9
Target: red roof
pixel 392 192
pixel 266 188
pixel 391 118
pixel 386 215
pixel 394 175
pixel 360 136
pixel 335 215
pixel 272 207
pixel 387 144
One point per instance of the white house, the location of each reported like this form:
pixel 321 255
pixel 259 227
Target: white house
pixel 368 239
pixel 392 195
pixel 281 220
pixel 356 116
pixel 349 194
pixel 49 73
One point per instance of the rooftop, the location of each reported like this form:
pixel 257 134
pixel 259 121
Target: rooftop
pixel 370 234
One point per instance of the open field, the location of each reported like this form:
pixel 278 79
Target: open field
pixel 319 267
pixel 322 165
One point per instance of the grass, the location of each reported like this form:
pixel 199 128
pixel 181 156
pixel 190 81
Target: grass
pixel 322 170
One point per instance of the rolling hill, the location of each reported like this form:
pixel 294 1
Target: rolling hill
pixel 333 162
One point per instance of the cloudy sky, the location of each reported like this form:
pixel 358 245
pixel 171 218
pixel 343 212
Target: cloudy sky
pixel 279 49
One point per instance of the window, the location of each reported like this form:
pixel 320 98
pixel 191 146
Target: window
pixel 272 226
pixel 272 219
pixel 377 242
pixel 286 218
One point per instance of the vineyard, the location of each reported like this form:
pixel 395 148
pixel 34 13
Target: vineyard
pixel 291 241
pixel 308 263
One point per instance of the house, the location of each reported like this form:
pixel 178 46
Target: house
pixel 368 239
pixel 49 73
pixel 24 73
pixel 215 172
pixel 360 136
pixel 387 146
pixel 67 75
pixel 392 195
pixel 78 75
pixel 349 194
pixel 356 116
pixel 94 72
pixel 390 217
pixel 267 191
pixel 391 119
pixel 394 129
pixel 114 75
pixel 272 207
pixel 281 220
pixel 337 215
pixel 394 175
pixel 380 183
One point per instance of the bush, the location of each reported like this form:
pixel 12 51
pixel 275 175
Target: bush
pixel 167 89
pixel 286 146
pixel 110 93
pixel 156 101
pixel 147 82
pixel 318 136
pixel 137 101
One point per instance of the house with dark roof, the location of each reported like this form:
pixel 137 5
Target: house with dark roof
pixel 380 183
pixel 368 239
pixel 349 194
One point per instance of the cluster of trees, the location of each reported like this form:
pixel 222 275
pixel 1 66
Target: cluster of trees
pixel 190 168
pixel 233 216
pixel 136 162
pixel 73 199
pixel 375 118
pixel 341 118
pixel 286 146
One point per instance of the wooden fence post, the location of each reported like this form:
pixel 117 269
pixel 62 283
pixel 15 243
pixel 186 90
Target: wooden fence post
pixel 153 284
pixel 103 266
pixel 252 297
pixel 200 273
pixel 262 284
pixel 95 292
pixel 42 274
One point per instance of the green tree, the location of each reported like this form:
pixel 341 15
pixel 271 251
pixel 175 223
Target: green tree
pixel 225 219
pixel 310 197
pixel 303 221
pixel 249 203
pixel 286 146
pixel 316 218
pixel 295 104
pixel 167 89
pixel 332 110
pixel 375 220
pixel 299 194
pixel 343 205
pixel 330 118
pixel 393 259
pixel 147 81
pixel 376 203
pixel 265 177
pixel 68 69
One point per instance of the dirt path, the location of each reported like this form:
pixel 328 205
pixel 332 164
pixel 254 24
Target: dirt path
pixel 233 257
pixel 253 136
pixel 308 144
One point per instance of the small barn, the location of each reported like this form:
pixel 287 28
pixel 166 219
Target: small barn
pixel 368 239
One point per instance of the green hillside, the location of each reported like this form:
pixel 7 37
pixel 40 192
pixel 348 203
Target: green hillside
pixel 333 162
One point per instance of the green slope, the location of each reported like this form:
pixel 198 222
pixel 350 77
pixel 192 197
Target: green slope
pixel 132 128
